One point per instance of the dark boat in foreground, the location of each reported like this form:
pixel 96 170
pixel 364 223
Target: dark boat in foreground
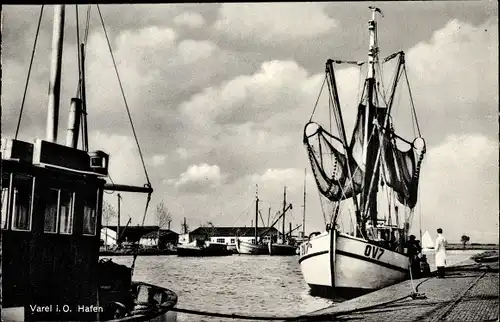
pixel 52 198
pixel 203 248
pixel 282 249
pixel 129 249
pixel 486 257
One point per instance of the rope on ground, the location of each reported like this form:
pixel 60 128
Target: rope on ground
pixel 234 316
pixel 366 308
pixel 287 318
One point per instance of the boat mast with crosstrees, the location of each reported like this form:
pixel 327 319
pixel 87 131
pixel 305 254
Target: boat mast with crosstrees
pixel 352 176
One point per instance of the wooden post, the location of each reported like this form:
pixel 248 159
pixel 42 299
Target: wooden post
pixel 118 223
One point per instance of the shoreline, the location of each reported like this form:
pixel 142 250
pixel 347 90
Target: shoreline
pixel 472 247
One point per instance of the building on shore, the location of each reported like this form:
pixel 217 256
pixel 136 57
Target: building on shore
pixel 108 237
pixel 161 239
pixel 133 234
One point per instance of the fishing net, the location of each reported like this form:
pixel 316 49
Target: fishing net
pixel 339 171
pixel 332 169
pixel 402 168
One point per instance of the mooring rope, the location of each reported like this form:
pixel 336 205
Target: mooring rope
pixel 123 95
pixel 235 316
pixel 29 72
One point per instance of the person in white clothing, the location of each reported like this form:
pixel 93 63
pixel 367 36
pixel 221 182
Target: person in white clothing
pixel 440 249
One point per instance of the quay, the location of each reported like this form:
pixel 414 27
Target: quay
pixel 469 292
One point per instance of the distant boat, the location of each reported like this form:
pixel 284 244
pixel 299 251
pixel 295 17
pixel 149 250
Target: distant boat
pixel 427 242
pixel 257 247
pixel 247 248
pixel 282 248
pixel 203 248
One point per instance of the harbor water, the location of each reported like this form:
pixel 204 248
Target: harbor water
pixel 239 284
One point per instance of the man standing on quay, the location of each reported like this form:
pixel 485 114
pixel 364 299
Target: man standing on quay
pixel 440 253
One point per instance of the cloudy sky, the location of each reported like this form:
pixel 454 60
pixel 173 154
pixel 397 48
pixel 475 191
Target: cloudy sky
pixel 220 93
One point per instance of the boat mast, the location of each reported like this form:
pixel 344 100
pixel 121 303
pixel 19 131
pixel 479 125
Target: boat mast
pixel 369 196
pixel 284 209
pixel 83 97
pixel 256 213
pixel 370 80
pixel 118 223
pixel 304 210
pixel 343 137
pixel 55 74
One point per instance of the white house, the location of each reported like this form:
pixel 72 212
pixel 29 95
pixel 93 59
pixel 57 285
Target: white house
pixel 166 236
pixel 184 238
pixel 108 236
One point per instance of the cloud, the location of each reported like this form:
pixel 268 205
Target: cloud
pixel 199 177
pixel 124 163
pixel 275 22
pixel 191 51
pixel 273 89
pixel 190 19
pixel 454 86
pixel 459 187
pixel 159 159
pixel 272 181
pixel 182 152
pixel 265 112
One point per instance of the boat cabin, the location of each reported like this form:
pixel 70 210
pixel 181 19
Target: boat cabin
pixel 51 214
pixel 386 235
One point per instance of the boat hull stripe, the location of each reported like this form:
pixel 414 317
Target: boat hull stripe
pixel 332 257
pixel 363 258
pixel 371 260
pixel 312 255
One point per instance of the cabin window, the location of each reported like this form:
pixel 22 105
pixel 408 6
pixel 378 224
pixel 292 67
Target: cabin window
pixel 50 222
pixel 22 199
pixel 89 215
pixel 220 240
pixel 5 199
pixel 233 241
pixel 66 212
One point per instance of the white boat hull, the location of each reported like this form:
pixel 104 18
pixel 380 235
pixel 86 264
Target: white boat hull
pixel 251 249
pixel 335 262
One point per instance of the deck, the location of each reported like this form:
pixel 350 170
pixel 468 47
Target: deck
pixel 469 292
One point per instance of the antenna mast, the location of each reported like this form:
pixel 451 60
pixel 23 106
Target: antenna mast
pixel 304 210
